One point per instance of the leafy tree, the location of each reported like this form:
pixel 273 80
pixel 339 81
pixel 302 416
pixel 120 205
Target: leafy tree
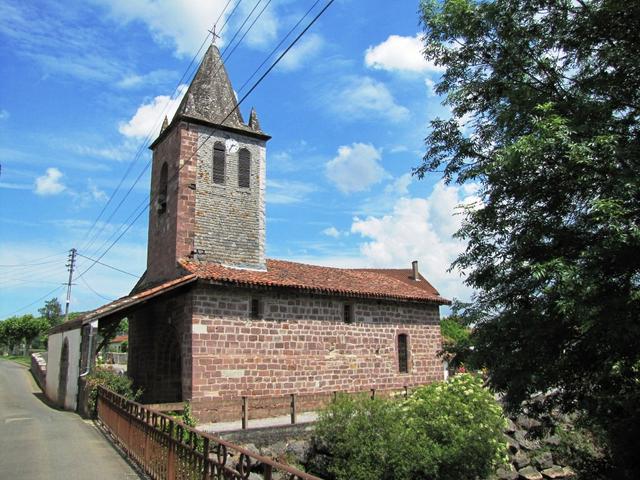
pixel 52 312
pixel 456 338
pixel 26 328
pixel 552 91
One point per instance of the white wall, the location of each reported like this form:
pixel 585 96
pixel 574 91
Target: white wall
pixel 54 349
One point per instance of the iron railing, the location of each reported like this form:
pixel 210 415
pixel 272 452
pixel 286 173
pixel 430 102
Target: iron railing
pixel 166 449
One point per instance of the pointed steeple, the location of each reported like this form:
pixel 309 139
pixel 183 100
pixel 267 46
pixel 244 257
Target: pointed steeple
pixel 165 124
pixel 254 123
pixel 210 97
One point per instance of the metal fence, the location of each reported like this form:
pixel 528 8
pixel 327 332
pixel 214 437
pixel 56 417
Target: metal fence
pixel 167 449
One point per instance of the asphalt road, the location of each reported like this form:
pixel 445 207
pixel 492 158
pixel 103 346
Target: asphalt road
pixel 40 442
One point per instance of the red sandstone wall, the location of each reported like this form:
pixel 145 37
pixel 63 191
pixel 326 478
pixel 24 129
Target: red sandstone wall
pixel 171 233
pixel 302 346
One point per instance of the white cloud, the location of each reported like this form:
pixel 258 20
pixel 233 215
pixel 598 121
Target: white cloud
pixel 401 54
pixel 264 31
pixel 4 114
pixel 287 191
pixel 356 168
pixel 134 80
pixel 361 98
pixel 182 24
pixel 331 232
pixel 400 185
pixel 149 116
pixel 420 229
pixel 15 186
pixel 49 183
pixel 304 51
pixel 431 87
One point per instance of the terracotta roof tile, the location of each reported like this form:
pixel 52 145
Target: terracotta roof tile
pixel 378 283
pixel 123 303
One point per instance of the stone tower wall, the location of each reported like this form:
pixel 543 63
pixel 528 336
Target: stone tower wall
pixel 171 234
pixel 230 220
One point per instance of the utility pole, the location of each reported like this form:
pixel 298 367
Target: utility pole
pixel 71 265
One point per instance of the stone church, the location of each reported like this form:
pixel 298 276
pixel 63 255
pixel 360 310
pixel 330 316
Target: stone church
pixel 212 320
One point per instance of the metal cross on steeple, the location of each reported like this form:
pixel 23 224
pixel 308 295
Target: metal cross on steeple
pixel 214 35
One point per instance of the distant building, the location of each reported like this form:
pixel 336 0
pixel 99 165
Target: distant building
pixel 212 320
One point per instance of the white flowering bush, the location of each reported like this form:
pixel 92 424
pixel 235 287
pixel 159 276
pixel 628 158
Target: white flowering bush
pixel 443 431
pixel 463 422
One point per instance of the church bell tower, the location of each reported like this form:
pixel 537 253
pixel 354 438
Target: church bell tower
pixel 207 180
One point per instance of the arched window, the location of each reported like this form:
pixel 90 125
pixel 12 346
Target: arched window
pixel 162 189
pixel 244 168
pixel 219 158
pixel 403 353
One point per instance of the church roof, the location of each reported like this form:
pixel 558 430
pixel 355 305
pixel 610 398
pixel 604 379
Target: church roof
pixel 210 97
pixel 396 284
pixel 123 305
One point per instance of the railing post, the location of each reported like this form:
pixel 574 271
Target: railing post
pixel 406 391
pixel 245 412
pixel 373 393
pixel 293 408
pixel 205 459
pixel 268 470
pixel 171 457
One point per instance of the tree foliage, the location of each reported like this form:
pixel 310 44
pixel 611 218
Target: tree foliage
pixel 52 312
pixel 444 431
pixel 457 347
pixel 24 329
pixel 552 93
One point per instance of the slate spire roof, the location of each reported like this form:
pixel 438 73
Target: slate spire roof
pixel 210 97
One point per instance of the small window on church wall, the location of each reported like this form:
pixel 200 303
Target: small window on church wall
pixel 256 308
pixel 219 159
pixel 403 353
pixel 244 168
pixel 347 313
pixel 162 189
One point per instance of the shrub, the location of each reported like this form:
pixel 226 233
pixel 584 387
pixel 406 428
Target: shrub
pixel 120 384
pixel 361 436
pixel 465 423
pixel 444 431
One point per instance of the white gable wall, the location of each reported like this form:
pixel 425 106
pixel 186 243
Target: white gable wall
pixel 54 351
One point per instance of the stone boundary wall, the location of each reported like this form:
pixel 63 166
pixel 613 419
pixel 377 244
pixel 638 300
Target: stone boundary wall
pixel 39 369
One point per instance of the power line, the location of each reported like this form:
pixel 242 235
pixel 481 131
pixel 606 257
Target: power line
pixel 36 301
pixel 152 130
pixel 109 266
pixel 94 292
pixel 86 247
pixel 35 260
pixel 279 45
pixel 146 203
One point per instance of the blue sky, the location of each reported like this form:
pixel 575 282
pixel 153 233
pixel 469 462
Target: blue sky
pixel 84 82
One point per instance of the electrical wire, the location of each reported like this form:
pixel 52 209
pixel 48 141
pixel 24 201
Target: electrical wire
pixel 144 205
pixel 94 292
pixel 35 301
pixel 108 266
pixel 148 138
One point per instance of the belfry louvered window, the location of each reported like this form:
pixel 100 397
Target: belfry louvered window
pixel 161 204
pixel 219 158
pixel 403 353
pixel 244 168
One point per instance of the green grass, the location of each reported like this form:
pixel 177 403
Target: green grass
pixel 22 360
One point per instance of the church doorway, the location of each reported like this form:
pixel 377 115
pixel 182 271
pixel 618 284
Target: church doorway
pixel 168 367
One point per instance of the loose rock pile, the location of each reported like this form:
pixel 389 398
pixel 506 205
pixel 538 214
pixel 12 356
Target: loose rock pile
pixel 529 455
